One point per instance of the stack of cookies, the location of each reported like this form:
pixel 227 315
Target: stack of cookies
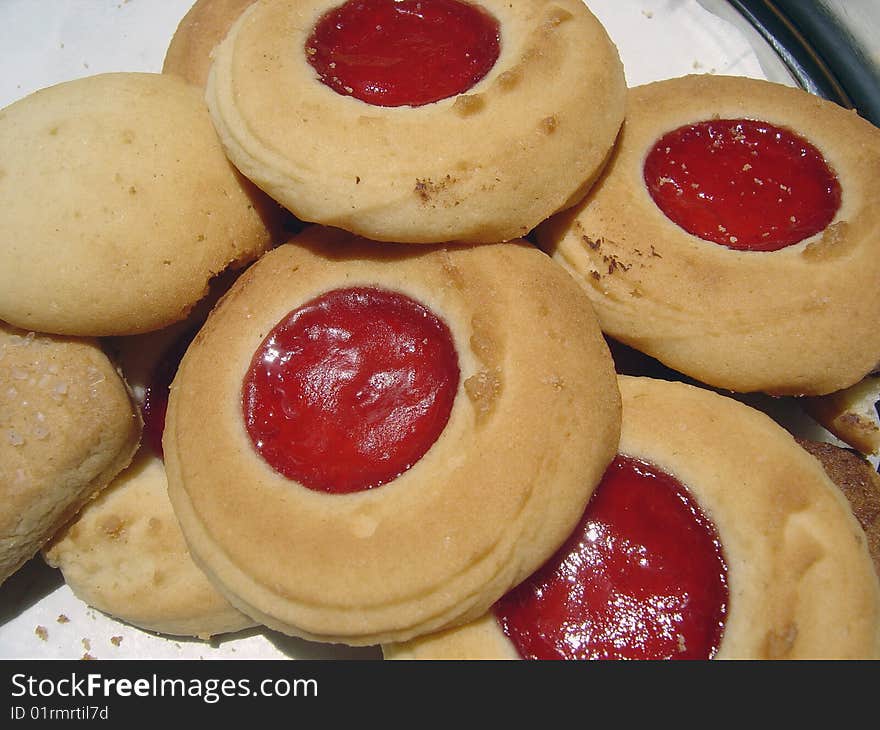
pixel 317 335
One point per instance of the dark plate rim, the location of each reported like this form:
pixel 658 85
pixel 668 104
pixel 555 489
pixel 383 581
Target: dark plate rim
pixel 818 50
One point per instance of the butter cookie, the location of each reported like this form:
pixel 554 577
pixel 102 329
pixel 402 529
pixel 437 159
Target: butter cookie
pixel 120 206
pixel 419 122
pixel 189 56
pixel 734 234
pixel 860 484
pixel 367 441
pixel 68 426
pixel 712 535
pixel 205 24
pixel 851 414
pixel 124 553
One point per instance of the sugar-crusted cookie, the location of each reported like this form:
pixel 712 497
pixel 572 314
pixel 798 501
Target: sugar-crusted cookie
pixel 370 441
pixel 762 292
pixel 800 581
pixel 67 427
pixel 485 161
pixel 120 206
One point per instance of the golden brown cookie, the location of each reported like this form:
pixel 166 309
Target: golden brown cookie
pixel 851 414
pixel 121 206
pixel 67 427
pixel 379 531
pixel 860 484
pixel 800 580
pixel 189 56
pixel 203 27
pixel 790 321
pixel 484 164
pixel 124 553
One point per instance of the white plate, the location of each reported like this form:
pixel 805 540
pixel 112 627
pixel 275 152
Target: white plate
pixel 50 41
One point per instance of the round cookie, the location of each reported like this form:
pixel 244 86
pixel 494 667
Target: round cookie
pixel 860 484
pixel 189 56
pixel 792 321
pixel 124 553
pixel 205 24
pixel 121 206
pixel 851 414
pixel 532 423
pixel 801 582
pixel 483 165
pixel 67 427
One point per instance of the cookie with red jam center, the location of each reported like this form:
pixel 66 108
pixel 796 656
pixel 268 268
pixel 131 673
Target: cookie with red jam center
pixel 713 535
pixel 419 122
pixel 732 236
pixel 366 443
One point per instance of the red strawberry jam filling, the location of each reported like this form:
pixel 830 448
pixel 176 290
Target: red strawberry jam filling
pixel 403 52
pixel 351 389
pixel 744 184
pixel 641 577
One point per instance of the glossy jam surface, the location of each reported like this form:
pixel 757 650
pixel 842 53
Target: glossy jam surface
pixel 351 389
pixel 155 403
pixel 744 184
pixel 641 577
pixel 403 52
